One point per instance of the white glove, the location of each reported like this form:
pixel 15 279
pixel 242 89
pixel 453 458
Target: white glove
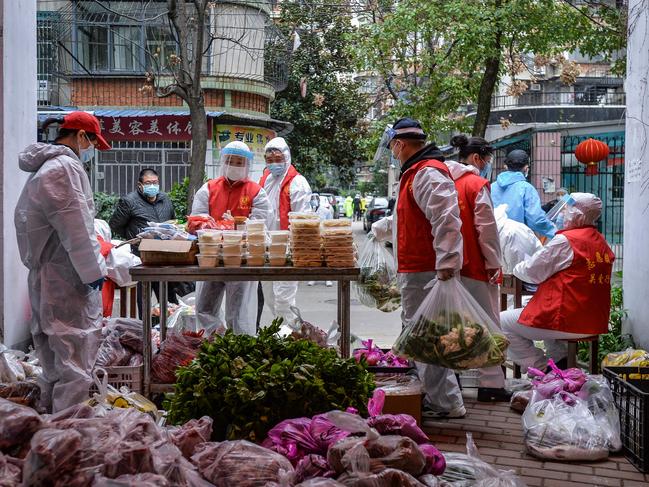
pixel 382 229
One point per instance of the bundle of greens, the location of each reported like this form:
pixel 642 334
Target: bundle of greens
pixel 377 288
pixel 453 341
pixel 248 384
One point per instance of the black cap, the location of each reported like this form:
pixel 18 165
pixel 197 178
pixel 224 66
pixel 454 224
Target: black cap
pixel 517 159
pixel 405 128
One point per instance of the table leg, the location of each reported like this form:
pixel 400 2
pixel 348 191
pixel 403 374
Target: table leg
pixel 123 301
pixel 344 317
pixel 146 345
pixel 133 302
pixel 163 309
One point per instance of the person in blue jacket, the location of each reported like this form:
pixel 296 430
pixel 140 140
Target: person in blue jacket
pixel 522 199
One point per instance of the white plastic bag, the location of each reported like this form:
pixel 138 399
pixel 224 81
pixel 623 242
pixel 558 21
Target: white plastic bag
pixel 377 284
pixel 450 329
pixel 118 263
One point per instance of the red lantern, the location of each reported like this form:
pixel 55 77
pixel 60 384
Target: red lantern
pixel 590 152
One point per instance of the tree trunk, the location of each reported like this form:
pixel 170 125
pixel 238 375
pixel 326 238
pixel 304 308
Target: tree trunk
pixel 489 80
pixel 199 149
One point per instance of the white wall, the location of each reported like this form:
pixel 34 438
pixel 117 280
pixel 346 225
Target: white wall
pixel 17 129
pixel 636 193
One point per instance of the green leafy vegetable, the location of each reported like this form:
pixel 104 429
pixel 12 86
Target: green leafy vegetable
pixel 455 342
pixel 377 288
pixel 248 384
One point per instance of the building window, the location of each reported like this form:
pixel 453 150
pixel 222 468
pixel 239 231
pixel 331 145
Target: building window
pixel 92 48
pixel 126 48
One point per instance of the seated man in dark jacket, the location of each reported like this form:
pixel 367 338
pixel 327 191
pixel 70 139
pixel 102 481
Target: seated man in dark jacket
pixel 133 211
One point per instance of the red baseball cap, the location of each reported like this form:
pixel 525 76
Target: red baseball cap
pixel 87 122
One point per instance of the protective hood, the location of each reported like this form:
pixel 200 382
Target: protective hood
pixel 500 212
pixel 458 170
pixel 280 144
pixel 586 210
pixel 35 155
pixel 431 151
pixel 507 178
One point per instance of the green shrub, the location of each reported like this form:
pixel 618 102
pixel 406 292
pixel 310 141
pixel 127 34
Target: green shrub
pixel 178 196
pixel 105 204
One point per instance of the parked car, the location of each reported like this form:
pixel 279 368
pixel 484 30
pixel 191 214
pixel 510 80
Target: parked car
pixel 377 209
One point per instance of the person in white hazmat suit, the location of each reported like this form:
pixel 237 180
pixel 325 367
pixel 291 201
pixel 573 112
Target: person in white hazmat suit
pixel 427 243
pixel 517 240
pixel 573 300
pixel 288 191
pixel 482 267
pixel 235 193
pixel 54 221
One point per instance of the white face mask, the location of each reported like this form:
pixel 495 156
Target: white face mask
pixel 235 173
pixel 86 155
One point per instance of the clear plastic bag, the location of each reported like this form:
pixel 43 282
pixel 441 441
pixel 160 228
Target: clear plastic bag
pixel 17 424
pixel 320 482
pixel 137 480
pixel 451 330
pixel 11 369
pixel 469 470
pixel 240 463
pixel 191 434
pixel 10 471
pixel 377 284
pixel 112 352
pixel 180 348
pixel 583 426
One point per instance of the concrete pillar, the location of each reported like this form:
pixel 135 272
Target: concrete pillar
pixel 636 187
pixel 17 129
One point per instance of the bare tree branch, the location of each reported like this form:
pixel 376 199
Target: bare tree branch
pixel 121 14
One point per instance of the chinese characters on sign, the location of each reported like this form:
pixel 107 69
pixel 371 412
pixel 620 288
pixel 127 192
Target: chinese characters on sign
pixel 599 274
pixel 149 128
pixel 255 137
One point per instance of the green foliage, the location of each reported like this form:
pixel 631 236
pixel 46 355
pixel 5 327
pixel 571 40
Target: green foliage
pixel 328 120
pixel 105 204
pixel 248 384
pixel 614 340
pixel 431 54
pixel 178 196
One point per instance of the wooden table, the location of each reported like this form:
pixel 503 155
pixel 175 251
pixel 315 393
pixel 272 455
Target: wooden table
pixel 165 274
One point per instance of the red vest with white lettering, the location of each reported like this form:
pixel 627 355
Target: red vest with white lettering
pixel 284 194
pixel 237 197
pixel 468 186
pixel 415 251
pixel 576 299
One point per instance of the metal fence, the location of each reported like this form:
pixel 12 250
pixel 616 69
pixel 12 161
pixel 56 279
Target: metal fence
pixel 542 98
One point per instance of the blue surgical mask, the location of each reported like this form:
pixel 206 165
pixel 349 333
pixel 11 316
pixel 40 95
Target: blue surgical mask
pixel 276 168
pixel 485 172
pixel 86 155
pixel 150 190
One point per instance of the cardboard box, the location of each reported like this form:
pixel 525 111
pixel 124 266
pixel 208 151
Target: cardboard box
pixel 168 252
pixel 407 404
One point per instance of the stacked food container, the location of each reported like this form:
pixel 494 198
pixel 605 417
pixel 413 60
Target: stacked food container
pixel 256 243
pixel 278 247
pixel 209 244
pixel 338 243
pixel 305 239
pixel 233 251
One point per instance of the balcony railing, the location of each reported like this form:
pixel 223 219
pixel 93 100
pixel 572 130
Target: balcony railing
pixel 540 98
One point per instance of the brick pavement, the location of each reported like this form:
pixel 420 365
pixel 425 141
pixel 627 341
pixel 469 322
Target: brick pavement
pixel 498 434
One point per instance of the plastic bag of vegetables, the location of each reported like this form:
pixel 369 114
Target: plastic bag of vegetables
pixel 377 284
pixel 450 329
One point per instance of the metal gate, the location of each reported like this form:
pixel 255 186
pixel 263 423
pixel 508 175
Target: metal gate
pixel 608 184
pixel 117 170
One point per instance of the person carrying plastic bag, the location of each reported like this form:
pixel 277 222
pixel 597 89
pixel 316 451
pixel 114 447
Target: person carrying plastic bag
pixel 288 191
pixel 522 199
pixel 232 192
pixel 427 243
pixel 573 300
pixel 56 238
pixel 481 271
pixel 377 284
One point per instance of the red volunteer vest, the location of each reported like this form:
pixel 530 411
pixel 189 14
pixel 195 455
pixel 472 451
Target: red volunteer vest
pixel 415 251
pixel 284 194
pixel 576 299
pixel 237 197
pixel 468 186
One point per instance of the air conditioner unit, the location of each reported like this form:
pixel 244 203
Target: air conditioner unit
pixel 43 91
pixel 535 87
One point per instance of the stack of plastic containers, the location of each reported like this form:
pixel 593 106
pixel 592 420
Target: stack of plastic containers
pixel 338 243
pixel 256 237
pixel 278 247
pixel 232 248
pixel 209 244
pixel 305 239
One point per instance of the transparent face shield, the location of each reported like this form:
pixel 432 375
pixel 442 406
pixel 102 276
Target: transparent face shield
pixel 558 213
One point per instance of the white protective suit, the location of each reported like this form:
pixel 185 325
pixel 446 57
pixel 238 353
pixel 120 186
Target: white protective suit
pixel 279 296
pixel 554 257
pixel 57 243
pixel 517 240
pixel 240 297
pixel 120 260
pixel 436 196
pixel 485 293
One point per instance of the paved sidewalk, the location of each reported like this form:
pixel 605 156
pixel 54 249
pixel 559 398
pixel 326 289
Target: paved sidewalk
pixel 498 434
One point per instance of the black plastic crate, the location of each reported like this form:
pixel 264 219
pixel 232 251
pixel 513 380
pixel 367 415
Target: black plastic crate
pixel 630 387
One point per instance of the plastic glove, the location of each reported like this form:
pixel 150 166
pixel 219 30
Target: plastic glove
pixel 382 229
pixel 227 216
pixel 97 284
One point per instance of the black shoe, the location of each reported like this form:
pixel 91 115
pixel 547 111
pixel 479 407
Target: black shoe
pixel 491 394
